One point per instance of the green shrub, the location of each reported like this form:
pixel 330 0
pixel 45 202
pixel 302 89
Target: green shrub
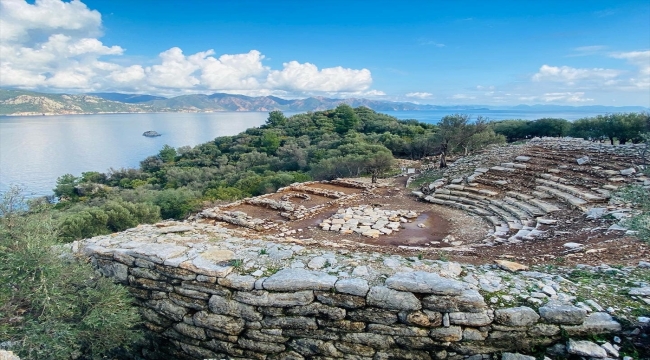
pixel 53 306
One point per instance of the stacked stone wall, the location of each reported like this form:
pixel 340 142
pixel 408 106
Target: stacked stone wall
pixel 200 312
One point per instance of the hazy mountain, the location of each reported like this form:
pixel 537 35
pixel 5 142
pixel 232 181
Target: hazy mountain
pixel 19 102
pixel 127 98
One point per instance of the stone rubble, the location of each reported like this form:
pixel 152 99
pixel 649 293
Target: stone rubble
pixel 367 221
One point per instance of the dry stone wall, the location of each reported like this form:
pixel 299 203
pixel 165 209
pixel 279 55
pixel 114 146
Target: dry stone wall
pixel 198 304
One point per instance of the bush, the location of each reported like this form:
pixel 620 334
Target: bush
pixel 51 305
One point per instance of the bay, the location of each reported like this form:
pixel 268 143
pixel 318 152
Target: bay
pixel 36 150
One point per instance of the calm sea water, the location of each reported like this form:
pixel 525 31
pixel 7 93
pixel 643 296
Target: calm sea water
pixel 35 150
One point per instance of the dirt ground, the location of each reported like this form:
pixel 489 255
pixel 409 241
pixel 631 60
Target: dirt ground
pixel 440 226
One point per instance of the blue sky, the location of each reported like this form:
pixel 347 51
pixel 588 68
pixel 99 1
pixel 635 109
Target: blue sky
pixel 437 52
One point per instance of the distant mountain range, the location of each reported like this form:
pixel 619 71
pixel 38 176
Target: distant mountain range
pixel 20 102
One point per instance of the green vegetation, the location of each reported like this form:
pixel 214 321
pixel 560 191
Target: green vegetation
pixel 639 197
pixel 623 127
pixel 51 305
pixel 323 145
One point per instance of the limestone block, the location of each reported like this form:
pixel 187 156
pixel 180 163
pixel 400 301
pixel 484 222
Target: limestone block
pixel 447 334
pixel 224 306
pixel 299 279
pixel 384 297
pixel 427 283
pixel 517 316
pixel 318 310
pixel 340 300
pixel 373 315
pixel 563 314
pixel 376 341
pixel 398 330
pixel 585 348
pixel 264 298
pixel 467 301
pixel 221 323
pixel 261 346
pixel 290 322
pixel 239 282
pixel 471 319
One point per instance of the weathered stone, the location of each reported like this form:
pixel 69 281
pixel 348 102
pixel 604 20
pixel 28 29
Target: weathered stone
pixel 264 336
pixel 306 347
pixel 168 308
pixel 208 288
pixel 299 279
pixel 415 318
pixel 419 342
pixel 539 330
pixel 261 346
pixel 149 284
pixel 563 314
pixel 516 356
pixel 225 324
pixel 224 306
pixel 468 301
pixel 352 286
pixel 191 331
pixel 510 265
pixel 517 316
pixel 340 300
pixel 290 322
pixel 402 354
pixel 310 334
pixel 641 291
pixel 471 319
pixel 374 316
pixel 146 273
pixel 154 317
pixel 376 341
pixel 319 310
pixel 209 267
pixel 427 283
pixel 191 293
pixel 112 269
pixel 175 272
pixel 355 349
pixel 451 334
pixel 384 297
pixel 596 323
pixel 264 298
pixel 585 348
pixel 223 347
pixel 341 325
pixel 188 302
pixel 220 336
pixel 157 252
pixel 399 330
pixel 238 282
pixel 470 334
pixel 197 351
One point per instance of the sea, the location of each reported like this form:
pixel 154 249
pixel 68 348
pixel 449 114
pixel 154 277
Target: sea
pixel 36 150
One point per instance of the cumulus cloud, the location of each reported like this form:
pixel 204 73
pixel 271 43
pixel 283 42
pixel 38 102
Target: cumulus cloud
pixel 419 95
pixel 570 75
pixel 306 77
pixel 55 44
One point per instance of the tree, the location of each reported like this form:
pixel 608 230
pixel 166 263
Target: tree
pixel 65 186
pixel 53 306
pixel 167 154
pixel 276 119
pixel 346 119
pixel 454 131
pixel 378 164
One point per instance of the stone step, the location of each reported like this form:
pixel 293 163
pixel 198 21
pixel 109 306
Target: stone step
pixel 544 206
pixel 575 201
pixel 530 209
pixel 571 190
pixel 518 213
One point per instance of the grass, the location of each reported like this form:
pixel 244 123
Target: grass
pixel 425 178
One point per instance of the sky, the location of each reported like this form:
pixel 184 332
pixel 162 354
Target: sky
pixel 578 52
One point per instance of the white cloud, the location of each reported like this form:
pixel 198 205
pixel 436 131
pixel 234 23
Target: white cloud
pixel 558 97
pixel 419 95
pixel 462 97
pixel 590 48
pixel 54 44
pixel 637 58
pixel 306 77
pixel 570 75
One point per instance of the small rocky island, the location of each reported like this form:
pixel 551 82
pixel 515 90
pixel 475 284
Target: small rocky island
pixel 150 133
